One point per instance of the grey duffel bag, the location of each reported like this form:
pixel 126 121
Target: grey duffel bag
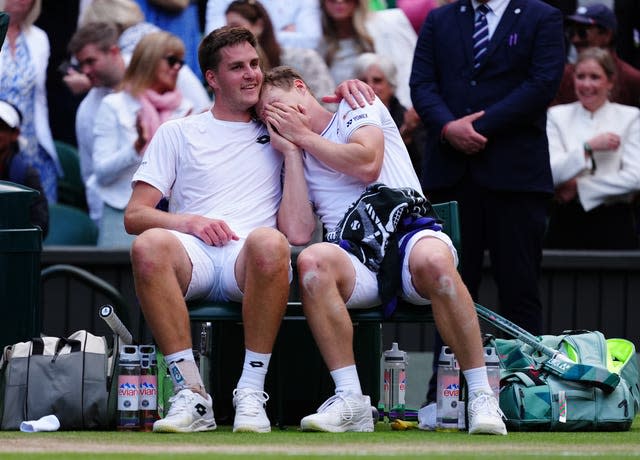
pixel 66 377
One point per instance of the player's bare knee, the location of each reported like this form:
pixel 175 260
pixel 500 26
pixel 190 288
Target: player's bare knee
pixel 311 273
pixel 445 286
pixel 148 251
pixel 268 250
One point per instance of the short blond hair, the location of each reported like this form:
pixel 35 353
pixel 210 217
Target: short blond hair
pixel 124 13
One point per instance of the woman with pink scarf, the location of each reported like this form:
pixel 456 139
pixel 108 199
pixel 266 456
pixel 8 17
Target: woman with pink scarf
pixel 126 122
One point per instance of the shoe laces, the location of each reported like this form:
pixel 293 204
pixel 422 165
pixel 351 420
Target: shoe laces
pixel 180 401
pixel 485 404
pixel 249 402
pixel 338 403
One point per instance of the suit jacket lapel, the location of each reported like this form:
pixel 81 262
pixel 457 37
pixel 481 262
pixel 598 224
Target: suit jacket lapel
pixel 512 14
pixel 465 17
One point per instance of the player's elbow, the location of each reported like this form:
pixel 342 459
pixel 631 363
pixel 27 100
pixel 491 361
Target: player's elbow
pixel 369 173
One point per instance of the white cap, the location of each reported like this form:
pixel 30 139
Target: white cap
pixel 9 115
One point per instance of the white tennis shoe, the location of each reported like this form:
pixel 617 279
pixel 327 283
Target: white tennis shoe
pixel 485 416
pixel 251 416
pixel 340 413
pixel 189 412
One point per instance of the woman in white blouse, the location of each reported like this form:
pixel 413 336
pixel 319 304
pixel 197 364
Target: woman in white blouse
pixel 126 121
pixel 594 146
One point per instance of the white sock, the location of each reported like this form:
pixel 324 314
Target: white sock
pixel 346 380
pixel 477 380
pixel 184 372
pixel 254 370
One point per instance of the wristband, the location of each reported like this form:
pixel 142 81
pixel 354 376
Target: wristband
pixel 589 151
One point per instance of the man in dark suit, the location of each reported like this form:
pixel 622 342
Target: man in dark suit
pixel 487 145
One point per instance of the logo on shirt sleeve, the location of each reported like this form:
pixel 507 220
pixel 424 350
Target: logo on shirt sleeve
pixel 356 118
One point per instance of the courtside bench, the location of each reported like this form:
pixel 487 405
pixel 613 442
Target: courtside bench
pixel 222 345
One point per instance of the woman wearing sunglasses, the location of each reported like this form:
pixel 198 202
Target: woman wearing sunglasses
pixel 126 121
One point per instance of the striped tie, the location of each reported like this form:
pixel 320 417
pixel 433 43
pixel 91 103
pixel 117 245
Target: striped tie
pixel 480 35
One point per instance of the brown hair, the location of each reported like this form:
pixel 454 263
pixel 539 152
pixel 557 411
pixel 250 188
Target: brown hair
pixel 102 34
pixel 253 11
pixel 361 36
pixel 283 77
pixel 209 50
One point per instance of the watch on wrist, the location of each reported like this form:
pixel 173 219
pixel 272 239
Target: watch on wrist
pixel 589 151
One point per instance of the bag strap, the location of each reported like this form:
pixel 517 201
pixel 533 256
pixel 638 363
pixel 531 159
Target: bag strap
pixel 524 376
pixel 37 346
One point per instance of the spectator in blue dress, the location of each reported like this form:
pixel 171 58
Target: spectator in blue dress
pixel 180 17
pixel 23 66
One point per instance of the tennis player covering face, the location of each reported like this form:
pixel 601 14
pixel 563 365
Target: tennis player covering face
pixel 336 156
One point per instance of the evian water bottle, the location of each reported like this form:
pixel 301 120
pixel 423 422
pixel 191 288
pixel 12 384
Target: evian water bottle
pixel 395 382
pixel 448 387
pixel 148 387
pixel 128 382
pixel 492 361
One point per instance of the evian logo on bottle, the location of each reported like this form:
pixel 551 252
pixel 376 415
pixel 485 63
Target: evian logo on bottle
pixel 453 389
pixel 148 388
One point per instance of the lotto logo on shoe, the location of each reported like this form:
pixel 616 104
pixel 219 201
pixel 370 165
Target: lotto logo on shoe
pixel 201 409
pixel 451 390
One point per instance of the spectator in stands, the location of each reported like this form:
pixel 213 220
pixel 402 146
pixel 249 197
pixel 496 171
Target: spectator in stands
pixel 295 23
pixel 308 62
pixel 417 10
pixel 95 48
pixel 339 156
pixel 128 16
pixel 380 73
pixel 180 17
pixel 127 120
pixel 59 20
pixel 350 29
pixel 23 67
pixel 596 25
pixel 14 167
pixel 219 239
pixel 594 146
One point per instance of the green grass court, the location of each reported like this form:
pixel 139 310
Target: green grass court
pixel 292 444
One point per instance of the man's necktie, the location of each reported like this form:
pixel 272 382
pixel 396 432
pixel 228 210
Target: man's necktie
pixel 480 35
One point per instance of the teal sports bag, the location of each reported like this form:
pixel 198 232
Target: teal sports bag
pixel 535 399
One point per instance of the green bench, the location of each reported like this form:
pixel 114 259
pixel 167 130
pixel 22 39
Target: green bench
pixel 295 344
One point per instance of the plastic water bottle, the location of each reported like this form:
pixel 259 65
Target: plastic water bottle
pixel 448 387
pixel 148 404
pixel 492 362
pixel 395 382
pixel 128 384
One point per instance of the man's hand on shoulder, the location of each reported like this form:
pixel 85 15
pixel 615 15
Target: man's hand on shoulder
pixel 462 136
pixel 356 92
